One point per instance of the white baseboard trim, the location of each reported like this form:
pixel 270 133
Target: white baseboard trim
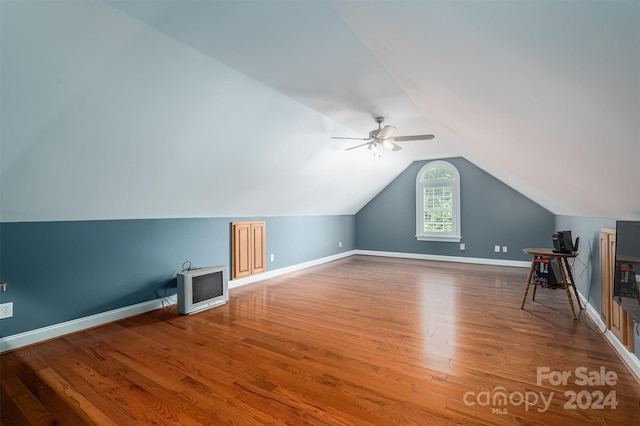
pixel 627 357
pixel 56 330
pixel 460 259
pixel 288 269
pixel 293 268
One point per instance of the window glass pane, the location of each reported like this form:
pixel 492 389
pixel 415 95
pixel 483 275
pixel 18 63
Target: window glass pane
pixel 438 221
pixel 438 173
pixel 438 197
pixel 438 209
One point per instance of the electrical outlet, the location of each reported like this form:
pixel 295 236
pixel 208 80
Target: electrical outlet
pixel 273 257
pixel 339 243
pixel 504 249
pixel 496 249
pixel 6 310
pixel 462 246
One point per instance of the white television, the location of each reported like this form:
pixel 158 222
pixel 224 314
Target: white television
pixel 202 288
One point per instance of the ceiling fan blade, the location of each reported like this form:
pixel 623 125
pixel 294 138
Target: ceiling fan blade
pixel 385 132
pixel 411 138
pixel 390 145
pixel 356 139
pixel 357 146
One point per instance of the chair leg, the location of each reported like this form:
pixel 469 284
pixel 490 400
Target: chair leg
pixel 526 287
pixel 573 283
pixel 566 287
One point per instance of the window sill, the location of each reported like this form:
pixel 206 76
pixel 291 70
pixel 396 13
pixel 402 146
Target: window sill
pixel 442 238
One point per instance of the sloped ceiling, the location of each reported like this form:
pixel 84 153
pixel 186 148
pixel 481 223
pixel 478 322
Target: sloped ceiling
pixel 544 95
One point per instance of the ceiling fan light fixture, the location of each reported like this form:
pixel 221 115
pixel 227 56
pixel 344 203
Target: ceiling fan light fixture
pixel 387 145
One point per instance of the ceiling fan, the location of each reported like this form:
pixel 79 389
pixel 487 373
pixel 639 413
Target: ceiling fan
pixel 382 136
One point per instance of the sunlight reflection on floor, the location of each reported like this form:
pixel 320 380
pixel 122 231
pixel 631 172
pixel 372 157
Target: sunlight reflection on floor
pixel 438 323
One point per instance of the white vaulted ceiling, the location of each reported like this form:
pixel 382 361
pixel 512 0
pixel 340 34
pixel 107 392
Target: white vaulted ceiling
pixel 544 95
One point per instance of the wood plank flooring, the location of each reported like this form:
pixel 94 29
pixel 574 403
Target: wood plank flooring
pixel 362 340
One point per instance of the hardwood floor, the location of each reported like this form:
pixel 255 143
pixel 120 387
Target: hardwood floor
pixel 362 340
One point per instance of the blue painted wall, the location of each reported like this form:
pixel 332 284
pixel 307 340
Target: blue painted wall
pixel 492 213
pixel 60 271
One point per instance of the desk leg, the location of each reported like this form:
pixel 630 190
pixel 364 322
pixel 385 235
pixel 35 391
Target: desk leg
pixel 526 287
pixel 573 282
pixel 566 286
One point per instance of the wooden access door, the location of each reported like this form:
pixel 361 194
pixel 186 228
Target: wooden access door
pixel 607 255
pixel 617 319
pixel 249 244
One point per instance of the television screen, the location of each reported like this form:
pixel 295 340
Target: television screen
pixel 626 279
pixel 207 286
pixel 202 288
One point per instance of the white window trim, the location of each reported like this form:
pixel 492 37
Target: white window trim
pixel 456 234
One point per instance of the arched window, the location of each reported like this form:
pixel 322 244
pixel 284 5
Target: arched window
pixel 438 202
